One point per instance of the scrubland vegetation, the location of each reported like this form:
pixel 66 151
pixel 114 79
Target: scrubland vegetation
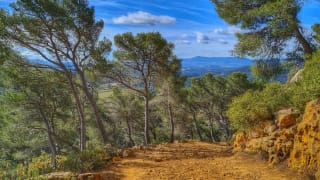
pixel 72 109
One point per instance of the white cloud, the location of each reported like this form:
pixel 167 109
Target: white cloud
pixel 143 18
pixel 27 53
pixel 231 30
pixel 202 38
pixel 182 42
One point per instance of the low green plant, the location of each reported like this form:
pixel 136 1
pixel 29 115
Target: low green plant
pixel 308 88
pixel 42 164
pixel 254 107
pixel 87 160
pixel 21 171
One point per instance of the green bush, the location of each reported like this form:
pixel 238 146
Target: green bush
pixel 21 172
pixel 42 164
pixel 308 88
pixel 6 168
pixel 253 107
pixel 87 160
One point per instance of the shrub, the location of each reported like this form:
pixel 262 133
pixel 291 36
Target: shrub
pixel 246 110
pixel 42 164
pixel 253 107
pixel 308 88
pixel 21 171
pixel 87 160
pixel 6 168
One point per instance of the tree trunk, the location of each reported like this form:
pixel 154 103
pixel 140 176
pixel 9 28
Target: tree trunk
pixel 191 131
pixel 80 111
pixel 83 131
pixel 171 122
pixel 146 120
pixel 211 129
pixel 94 107
pixel 129 132
pixel 225 125
pixel 307 49
pixel 52 143
pixel 153 130
pixel 197 125
pixel 154 134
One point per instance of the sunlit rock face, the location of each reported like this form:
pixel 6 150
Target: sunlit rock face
pixel 285 139
pixel 286 118
pixel 306 149
pixel 273 139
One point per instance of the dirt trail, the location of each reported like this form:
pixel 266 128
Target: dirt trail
pixel 194 160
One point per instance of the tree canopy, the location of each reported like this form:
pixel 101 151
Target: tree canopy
pixel 268 26
pixel 140 61
pixel 65 35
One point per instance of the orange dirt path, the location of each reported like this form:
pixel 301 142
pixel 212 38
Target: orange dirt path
pixel 194 160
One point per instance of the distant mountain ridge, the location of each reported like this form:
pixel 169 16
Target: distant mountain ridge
pixel 198 66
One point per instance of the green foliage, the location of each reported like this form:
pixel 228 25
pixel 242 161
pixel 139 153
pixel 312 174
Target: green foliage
pixel 126 111
pixel 22 172
pixel 6 168
pixel 37 112
pixel 210 95
pixel 42 164
pixel 253 107
pixel 266 70
pixel 308 87
pixel 316 29
pixel 266 30
pixel 141 60
pixel 88 160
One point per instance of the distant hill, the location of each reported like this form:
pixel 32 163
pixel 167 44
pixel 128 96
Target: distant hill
pixel 198 66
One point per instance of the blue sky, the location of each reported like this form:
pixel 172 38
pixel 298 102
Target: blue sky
pixel 192 25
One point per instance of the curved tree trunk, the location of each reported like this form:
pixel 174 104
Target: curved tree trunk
pixel 52 143
pixel 80 110
pixel 94 107
pixel 307 49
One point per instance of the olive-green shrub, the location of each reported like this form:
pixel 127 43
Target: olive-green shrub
pixel 253 107
pixel 85 161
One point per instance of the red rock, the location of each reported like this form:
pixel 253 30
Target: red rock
pixel 286 118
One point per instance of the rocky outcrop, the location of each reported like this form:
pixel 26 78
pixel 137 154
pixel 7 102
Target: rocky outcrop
pixel 287 140
pixel 282 144
pixel 286 118
pixel 274 139
pixel 306 148
pixel 240 140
